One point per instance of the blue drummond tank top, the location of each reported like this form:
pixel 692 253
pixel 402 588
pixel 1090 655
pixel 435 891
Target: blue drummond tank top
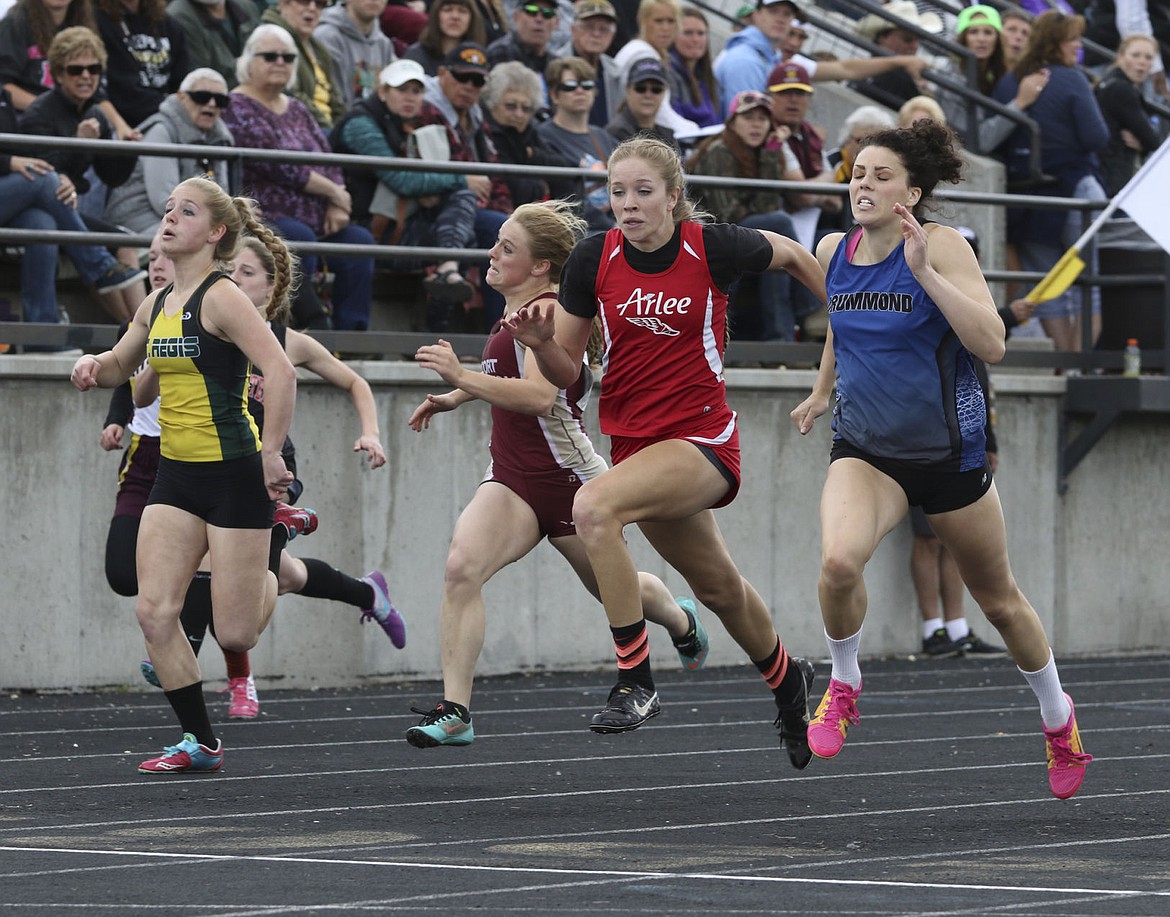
pixel 906 386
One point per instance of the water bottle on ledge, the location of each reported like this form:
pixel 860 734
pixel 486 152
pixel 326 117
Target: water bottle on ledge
pixel 1132 361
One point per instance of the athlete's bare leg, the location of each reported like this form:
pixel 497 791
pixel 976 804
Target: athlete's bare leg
pixel 170 543
pixel 695 548
pixel 658 604
pixel 243 589
pixel 495 529
pixel 977 539
pixel 859 507
pixel 642 488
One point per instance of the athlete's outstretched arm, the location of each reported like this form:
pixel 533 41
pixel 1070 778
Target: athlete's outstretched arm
pixel 532 394
pixel 791 256
pixel 818 402
pixel 113 367
pixel 555 337
pixel 420 417
pixel 311 354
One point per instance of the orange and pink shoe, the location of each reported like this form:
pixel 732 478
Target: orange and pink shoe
pixel 836 713
pixel 1066 756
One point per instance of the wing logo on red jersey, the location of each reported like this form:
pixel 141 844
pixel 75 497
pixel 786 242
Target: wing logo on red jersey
pixel 657 325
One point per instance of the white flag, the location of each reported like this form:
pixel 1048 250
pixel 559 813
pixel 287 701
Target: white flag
pixel 1146 196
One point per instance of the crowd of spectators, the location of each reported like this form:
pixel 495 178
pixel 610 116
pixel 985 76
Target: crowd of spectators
pixel 553 83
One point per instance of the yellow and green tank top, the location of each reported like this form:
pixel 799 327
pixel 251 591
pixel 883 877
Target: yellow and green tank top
pixel 203 383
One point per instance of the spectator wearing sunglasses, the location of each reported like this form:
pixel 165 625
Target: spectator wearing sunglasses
pixel 645 89
pixel 306 203
pixel 512 95
pixel 34 196
pixel 25 34
pixel 190 116
pixel 360 52
pixel 77 60
pixel 316 86
pixel 572 84
pixel 595 25
pixel 148 54
pixel 533 25
pixel 456 92
pixel 215 31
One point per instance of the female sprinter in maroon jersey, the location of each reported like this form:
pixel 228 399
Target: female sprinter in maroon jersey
pixel 540 458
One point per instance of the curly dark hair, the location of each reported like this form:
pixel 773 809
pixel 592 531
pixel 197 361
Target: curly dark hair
pixel 928 150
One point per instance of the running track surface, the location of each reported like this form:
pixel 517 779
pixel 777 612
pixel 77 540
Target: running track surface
pixel 938 804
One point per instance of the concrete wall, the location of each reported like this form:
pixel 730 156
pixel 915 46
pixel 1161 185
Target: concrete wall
pixel 1092 561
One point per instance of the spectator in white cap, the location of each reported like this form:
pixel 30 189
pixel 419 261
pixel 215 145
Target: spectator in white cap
pixel 404 207
pixel 645 90
pixel 751 54
pixel 793 43
pixel 888 31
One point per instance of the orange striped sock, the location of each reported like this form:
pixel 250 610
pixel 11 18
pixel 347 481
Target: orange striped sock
pixel 777 672
pixel 632 645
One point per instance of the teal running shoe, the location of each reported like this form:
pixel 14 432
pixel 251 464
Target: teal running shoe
pixel 692 649
pixel 146 667
pixel 444 725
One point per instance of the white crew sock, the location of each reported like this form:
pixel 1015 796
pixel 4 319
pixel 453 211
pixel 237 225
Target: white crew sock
pixel 958 629
pixel 1045 684
pixel 929 627
pixel 844 653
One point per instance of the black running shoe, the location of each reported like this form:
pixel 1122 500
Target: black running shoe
pixel 940 644
pixel 628 707
pixel 971 645
pixel 793 719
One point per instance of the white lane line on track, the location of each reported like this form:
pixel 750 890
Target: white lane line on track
pixel 596 873
pixel 138 780
pixel 600 688
pixel 613 791
pixel 1026 708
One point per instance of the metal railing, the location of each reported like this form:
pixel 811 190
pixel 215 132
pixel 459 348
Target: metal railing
pixel 398 344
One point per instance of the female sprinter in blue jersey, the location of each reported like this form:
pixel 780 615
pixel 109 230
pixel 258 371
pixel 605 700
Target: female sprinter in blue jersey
pixel 908 310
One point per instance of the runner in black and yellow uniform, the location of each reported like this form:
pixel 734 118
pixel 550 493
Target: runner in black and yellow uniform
pixel 216 481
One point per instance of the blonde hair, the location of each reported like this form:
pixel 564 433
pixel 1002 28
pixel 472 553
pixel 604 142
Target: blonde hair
pixel 277 310
pixel 920 104
pixel 73 42
pixel 553 228
pixel 663 159
pixel 238 216
pixel 647 8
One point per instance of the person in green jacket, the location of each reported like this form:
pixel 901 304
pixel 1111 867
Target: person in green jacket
pixel 315 85
pixel 216 31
